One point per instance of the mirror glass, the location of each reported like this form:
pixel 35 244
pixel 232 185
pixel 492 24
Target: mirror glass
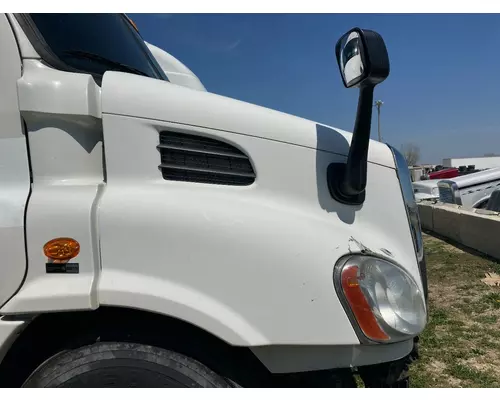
pixel 351 63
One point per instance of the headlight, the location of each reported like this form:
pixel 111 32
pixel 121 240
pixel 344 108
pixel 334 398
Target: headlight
pixel 382 300
pixel 435 191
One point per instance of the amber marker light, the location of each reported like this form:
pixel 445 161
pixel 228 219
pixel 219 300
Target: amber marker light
pixel 61 250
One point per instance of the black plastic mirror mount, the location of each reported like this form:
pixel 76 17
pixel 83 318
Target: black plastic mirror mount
pixel 347 182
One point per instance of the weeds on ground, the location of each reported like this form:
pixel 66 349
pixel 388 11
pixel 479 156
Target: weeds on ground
pixel 461 344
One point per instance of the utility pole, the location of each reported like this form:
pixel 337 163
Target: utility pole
pixel 378 104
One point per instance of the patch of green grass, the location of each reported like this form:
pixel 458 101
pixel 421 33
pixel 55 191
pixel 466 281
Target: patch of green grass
pixel 421 378
pixel 475 377
pixel 460 345
pixel 485 342
pixel 492 299
pixel 472 307
pixel 359 381
pixel 444 265
pixel 494 267
pixel 437 316
pixel 466 286
pixel 492 333
pixel 478 352
pixel 486 319
pixel 461 353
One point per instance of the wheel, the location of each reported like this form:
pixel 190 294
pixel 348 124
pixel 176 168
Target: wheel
pixel 482 205
pixel 123 365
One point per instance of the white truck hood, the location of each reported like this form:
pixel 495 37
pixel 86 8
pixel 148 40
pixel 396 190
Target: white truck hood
pixel 426 190
pixel 142 97
pixel 426 186
pixel 419 196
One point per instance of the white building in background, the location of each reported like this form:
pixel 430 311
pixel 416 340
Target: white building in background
pixel 479 162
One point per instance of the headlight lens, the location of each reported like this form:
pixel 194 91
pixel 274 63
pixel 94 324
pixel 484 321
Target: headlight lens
pixel 385 302
pixel 435 191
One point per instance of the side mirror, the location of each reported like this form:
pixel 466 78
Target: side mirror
pixel 363 62
pixel 362 58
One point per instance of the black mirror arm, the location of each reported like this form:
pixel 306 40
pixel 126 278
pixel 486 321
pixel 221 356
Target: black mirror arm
pixel 347 182
pixel 354 181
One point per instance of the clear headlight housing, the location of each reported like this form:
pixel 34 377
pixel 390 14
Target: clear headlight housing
pixel 383 301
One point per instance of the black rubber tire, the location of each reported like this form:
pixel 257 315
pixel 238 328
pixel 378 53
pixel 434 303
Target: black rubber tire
pixel 112 364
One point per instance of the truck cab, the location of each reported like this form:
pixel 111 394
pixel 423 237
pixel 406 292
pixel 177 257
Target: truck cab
pixel 446 173
pixel 176 72
pixel 174 237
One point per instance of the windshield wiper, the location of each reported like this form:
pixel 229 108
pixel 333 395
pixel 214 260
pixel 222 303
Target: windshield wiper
pixel 96 57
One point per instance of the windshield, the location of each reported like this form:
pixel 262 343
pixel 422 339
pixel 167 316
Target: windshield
pixel 96 43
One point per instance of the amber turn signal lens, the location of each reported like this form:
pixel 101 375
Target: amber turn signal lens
pixel 359 305
pixel 61 249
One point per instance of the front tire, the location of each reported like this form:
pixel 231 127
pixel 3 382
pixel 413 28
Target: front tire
pixel 121 365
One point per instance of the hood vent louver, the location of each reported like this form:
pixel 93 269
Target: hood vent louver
pixel 192 158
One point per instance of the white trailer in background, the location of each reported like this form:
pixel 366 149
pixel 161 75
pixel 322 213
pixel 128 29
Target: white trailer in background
pixel 479 162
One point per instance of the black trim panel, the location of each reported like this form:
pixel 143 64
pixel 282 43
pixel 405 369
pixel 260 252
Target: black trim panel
pixel 194 158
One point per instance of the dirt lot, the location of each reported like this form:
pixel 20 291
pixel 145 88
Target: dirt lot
pixel 461 345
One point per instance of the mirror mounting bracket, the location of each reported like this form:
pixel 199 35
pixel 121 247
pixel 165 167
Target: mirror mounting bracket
pixel 347 182
pixel 333 172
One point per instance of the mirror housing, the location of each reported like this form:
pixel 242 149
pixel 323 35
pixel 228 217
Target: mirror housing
pixel 363 62
pixel 364 54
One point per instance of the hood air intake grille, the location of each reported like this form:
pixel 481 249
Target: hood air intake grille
pixel 191 158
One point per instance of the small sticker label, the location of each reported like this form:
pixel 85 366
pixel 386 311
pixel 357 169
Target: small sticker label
pixel 68 268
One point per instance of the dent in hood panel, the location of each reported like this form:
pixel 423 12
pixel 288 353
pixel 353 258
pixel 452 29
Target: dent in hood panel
pixel 142 97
